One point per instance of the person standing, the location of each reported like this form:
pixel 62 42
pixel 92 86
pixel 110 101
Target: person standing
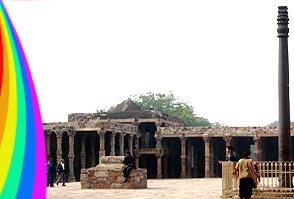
pixel 231 155
pixel 129 164
pixel 61 172
pixel 244 169
pixel 50 173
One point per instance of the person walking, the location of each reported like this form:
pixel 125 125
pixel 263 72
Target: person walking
pixel 247 175
pixel 129 164
pixel 61 172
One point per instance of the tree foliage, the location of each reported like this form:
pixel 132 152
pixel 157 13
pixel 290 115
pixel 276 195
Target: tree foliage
pixel 167 103
pixel 275 123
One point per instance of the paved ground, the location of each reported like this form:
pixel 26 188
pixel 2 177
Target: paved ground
pixel 198 188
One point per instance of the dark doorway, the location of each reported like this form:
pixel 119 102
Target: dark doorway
pixel 242 144
pixel 148 130
pixel 65 150
pixel 149 162
pixel 269 148
pixel 77 158
pixel 173 157
pixel 197 157
pixel 219 153
pixel 53 147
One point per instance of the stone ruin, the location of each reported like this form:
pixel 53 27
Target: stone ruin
pixel 108 175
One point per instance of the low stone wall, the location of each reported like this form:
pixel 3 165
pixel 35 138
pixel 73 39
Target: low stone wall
pixel 108 175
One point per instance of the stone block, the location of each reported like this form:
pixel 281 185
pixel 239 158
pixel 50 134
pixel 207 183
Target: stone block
pixel 100 179
pixel 101 173
pixel 108 175
pixel 116 186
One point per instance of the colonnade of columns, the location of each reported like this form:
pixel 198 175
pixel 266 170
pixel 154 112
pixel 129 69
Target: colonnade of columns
pixel 59 133
pixel 185 157
pixel 71 135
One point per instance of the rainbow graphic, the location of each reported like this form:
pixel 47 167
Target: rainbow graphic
pixel 22 147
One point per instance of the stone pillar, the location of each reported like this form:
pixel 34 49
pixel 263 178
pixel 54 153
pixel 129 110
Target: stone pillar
pixel 257 154
pixel 283 84
pixel 211 155
pixel 121 144
pixel 183 157
pixel 83 150
pixel 48 144
pixel 58 145
pixel 227 139
pixel 159 173
pixel 93 139
pixel 112 143
pixel 101 134
pixel 138 161
pixel 189 160
pixel 137 140
pixel 130 140
pixel 206 139
pixel 71 155
pixel 158 140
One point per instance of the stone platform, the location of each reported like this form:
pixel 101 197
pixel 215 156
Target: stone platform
pixel 108 175
pixel 199 188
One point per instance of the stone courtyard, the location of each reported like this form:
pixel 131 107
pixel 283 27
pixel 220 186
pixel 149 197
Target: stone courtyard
pixel 200 188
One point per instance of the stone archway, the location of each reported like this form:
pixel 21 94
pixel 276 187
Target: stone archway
pixel 53 146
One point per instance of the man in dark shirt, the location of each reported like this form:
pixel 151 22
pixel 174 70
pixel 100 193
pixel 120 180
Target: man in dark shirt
pixel 50 173
pixel 61 172
pixel 231 155
pixel 129 164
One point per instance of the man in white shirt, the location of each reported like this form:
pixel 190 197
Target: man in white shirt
pixel 61 172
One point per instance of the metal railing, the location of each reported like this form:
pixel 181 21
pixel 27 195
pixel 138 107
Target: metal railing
pixel 276 180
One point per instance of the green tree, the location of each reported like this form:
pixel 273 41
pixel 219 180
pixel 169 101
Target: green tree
pixel 275 123
pixel 167 103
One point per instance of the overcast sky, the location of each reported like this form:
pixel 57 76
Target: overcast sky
pixel 221 57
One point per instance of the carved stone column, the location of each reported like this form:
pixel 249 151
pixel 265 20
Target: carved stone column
pixel 101 134
pixel 189 160
pixel 211 155
pixel 48 144
pixel 228 139
pixel 206 139
pixel 257 154
pixel 159 173
pixel 130 140
pixel 121 144
pixel 137 140
pixel 138 161
pixel 83 150
pixel 58 144
pixel 71 155
pixel 158 140
pixel 93 139
pixel 112 143
pixel 183 157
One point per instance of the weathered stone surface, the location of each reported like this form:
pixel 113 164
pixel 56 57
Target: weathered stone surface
pixel 101 173
pixel 108 175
